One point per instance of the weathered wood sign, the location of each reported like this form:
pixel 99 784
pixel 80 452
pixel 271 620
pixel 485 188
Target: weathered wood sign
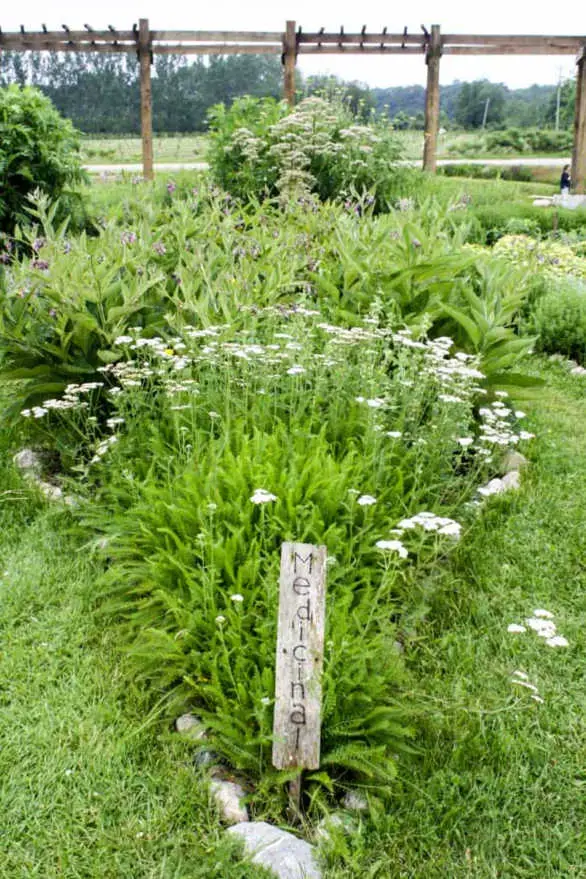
pixel 300 647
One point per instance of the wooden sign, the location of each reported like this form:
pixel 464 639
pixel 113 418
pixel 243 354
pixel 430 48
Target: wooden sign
pixel 300 648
